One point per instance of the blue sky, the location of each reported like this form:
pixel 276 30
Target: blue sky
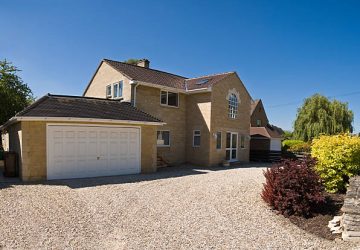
pixel 284 51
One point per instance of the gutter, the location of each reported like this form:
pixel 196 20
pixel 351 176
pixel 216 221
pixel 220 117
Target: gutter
pixel 74 119
pixel 176 90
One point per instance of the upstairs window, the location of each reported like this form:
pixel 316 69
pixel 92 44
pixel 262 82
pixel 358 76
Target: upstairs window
pixel 169 98
pixel 233 106
pixel 108 91
pixel 114 90
pixel 258 123
pixel 196 138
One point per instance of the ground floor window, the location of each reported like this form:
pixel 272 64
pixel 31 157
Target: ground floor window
pixel 218 140
pixel 163 138
pixel 196 138
pixel 242 141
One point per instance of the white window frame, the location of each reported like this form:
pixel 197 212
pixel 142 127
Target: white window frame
pixel 115 88
pixel 198 135
pixel 163 146
pixel 218 132
pixel 167 99
pixel 111 91
pixel 233 106
pixel 119 85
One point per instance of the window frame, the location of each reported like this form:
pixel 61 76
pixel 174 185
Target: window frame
pixel 111 90
pixel 242 142
pixel 233 107
pixel 217 137
pixel 196 135
pixel 164 145
pixel 119 89
pixel 258 123
pixel 167 99
pixel 115 88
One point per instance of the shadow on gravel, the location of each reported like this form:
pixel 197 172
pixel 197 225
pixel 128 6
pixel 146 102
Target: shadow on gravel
pixel 162 173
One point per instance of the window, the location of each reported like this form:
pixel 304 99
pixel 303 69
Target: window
pixel 258 123
pixel 196 138
pixel 114 90
pixel 108 91
pixel 169 98
pixel 233 106
pixel 242 141
pixel 218 140
pixel 163 138
pixel 121 88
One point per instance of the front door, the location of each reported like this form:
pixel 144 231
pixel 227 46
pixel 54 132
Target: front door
pixel 231 146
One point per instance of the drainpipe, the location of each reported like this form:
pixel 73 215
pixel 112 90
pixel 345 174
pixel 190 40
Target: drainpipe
pixel 133 85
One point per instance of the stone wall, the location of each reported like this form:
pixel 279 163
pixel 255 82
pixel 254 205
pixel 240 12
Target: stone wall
pixel 351 210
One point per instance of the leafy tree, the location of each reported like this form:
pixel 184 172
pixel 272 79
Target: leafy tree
pixel 15 95
pixel 288 135
pixel 318 115
pixel 132 61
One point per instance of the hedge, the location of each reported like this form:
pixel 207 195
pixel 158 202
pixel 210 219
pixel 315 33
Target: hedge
pixel 338 158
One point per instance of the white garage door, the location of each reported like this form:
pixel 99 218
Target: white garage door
pixel 90 151
pixel 275 144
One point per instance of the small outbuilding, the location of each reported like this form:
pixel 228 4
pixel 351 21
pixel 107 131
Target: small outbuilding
pixel 60 137
pixel 265 143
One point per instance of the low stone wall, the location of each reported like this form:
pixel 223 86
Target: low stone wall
pixel 351 209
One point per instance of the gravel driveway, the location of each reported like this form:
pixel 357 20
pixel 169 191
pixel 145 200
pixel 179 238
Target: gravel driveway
pixel 177 208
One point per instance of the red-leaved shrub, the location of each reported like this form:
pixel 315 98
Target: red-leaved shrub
pixel 293 187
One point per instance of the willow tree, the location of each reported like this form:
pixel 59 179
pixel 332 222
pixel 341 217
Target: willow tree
pixel 318 115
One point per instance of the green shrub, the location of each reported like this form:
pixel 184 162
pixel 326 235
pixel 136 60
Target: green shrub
pixel 286 144
pixel 338 158
pixel 303 147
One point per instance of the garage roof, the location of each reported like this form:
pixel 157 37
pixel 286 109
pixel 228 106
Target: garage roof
pixel 265 132
pixel 85 107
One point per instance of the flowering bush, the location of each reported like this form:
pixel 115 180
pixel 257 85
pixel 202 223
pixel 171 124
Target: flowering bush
pixel 293 187
pixel 338 158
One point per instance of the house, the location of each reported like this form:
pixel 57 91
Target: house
pixel 128 117
pixel 265 144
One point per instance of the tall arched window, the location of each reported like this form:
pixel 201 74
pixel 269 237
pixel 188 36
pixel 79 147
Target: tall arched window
pixel 233 106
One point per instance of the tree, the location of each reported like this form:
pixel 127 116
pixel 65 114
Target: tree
pixel 15 95
pixel 318 115
pixel 132 61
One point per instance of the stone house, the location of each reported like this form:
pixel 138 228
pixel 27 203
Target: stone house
pixel 128 118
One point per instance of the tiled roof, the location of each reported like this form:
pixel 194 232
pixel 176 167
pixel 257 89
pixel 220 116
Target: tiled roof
pixel 205 81
pixel 165 79
pixel 265 131
pixel 254 104
pixel 148 75
pixel 85 107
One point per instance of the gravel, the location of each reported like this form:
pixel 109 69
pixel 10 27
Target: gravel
pixel 176 208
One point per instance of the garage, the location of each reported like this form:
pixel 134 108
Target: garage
pixel 90 151
pixel 65 137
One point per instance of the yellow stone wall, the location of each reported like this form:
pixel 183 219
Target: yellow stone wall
pixel 107 75
pixel 32 152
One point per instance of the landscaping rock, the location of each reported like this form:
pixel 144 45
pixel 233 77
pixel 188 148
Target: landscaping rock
pixel 351 209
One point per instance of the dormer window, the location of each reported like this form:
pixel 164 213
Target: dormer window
pixel 114 90
pixel 169 98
